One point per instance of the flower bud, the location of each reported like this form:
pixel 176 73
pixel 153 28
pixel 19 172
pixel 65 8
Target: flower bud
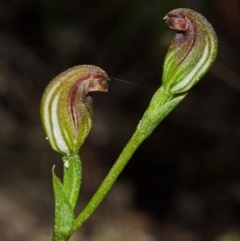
pixel 192 51
pixel 66 106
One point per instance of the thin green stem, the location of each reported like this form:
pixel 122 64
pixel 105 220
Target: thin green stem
pixel 161 105
pixel 72 177
pixel 60 237
pixel 66 194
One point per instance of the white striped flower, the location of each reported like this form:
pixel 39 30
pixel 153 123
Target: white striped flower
pixel 66 107
pixel 192 51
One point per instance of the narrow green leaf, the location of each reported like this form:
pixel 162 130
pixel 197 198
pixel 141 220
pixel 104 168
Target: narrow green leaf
pixel 160 106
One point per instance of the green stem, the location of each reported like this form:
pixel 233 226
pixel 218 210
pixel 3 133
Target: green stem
pixel 60 237
pixel 160 106
pixel 72 177
pixel 66 194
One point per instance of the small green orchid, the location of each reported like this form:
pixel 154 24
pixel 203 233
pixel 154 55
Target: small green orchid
pixel 66 107
pixel 192 51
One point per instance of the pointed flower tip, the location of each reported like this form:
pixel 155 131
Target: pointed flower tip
pixel 192 51
pixel 66 106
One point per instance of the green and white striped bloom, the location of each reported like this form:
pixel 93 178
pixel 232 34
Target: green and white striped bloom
pixel 192 51
pixel 66 107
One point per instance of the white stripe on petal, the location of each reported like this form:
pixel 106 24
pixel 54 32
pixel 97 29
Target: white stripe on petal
pixel 60 144
pixel 190 79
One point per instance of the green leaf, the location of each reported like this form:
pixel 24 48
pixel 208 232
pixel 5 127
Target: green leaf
pixel 160 106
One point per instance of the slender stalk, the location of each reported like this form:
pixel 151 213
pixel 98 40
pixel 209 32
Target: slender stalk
pixel 66 194
pixel 161 104
pixel 72 177
pixel 60 237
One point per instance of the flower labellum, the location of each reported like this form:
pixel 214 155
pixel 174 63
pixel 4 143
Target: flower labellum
pixel 192 51
pixel 66 106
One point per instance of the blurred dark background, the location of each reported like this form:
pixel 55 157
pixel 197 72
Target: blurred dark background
pixel 182 184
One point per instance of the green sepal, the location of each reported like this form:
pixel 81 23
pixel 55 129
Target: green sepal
pixel 72 178
pixel 64 214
